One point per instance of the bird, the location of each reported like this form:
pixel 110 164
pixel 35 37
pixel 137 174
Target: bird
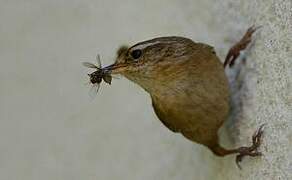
pixel 188 87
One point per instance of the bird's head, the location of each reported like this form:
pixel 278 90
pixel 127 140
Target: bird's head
pixel 154 62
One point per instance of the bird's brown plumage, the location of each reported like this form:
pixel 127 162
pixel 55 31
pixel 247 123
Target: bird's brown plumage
pixel 188 87
pixel 186 82
pixel 198 102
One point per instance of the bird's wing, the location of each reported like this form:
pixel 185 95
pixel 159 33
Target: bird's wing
pixel 163 118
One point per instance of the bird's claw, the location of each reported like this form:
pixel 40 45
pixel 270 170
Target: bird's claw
pixel 253 149
pixel 234 51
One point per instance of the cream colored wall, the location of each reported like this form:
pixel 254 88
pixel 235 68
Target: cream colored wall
pixel 264 92
pixel 51 129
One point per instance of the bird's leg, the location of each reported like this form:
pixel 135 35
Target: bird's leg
pixel 234 51
pixel 253 149
pixel 242 151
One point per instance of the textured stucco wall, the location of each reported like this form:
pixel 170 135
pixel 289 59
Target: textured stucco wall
pixel 50 129
pixel 264 84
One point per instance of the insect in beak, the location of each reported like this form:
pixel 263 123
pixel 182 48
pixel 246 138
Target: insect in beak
pixel 97 76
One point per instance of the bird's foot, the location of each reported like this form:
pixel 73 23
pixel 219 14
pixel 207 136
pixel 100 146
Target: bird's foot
pixel 234 51
pixel 253 149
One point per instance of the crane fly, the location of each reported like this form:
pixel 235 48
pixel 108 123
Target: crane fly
pixel 97 76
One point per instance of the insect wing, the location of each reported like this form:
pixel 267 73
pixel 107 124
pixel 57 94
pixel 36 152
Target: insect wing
pixel 93 90
pixel 90 65
pixel 107 78
pixel 98 60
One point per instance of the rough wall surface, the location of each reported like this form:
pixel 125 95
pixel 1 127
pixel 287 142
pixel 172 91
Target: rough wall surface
pixel 50 130
pixel 264 85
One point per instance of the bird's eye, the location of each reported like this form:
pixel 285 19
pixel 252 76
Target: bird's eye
pixel 136 53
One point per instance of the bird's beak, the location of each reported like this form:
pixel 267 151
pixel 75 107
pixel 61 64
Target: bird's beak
pixel 116 68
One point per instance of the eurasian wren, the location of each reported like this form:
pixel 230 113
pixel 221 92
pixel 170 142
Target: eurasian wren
pixel 188 87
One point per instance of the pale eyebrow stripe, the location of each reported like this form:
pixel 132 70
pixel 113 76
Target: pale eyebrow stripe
pixel 143 46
